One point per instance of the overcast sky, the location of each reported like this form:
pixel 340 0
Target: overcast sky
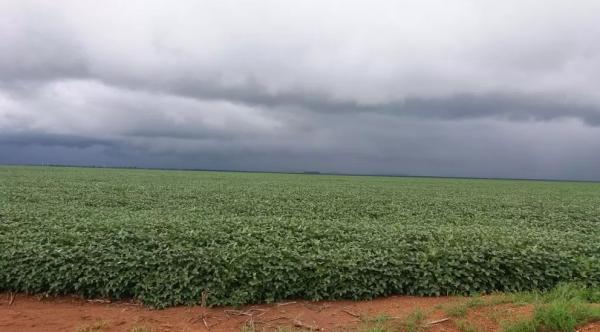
pixel 449 88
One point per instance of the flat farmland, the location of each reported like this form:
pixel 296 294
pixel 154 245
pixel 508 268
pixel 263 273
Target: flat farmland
pixel 184 237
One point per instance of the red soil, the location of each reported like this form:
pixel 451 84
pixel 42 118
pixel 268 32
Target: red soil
pixel 29 313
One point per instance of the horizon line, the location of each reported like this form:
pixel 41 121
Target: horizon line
pixel 307 172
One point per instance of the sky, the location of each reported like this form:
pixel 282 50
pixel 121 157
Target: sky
pixel 469 88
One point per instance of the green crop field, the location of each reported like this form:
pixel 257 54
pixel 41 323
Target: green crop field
pixel 167 237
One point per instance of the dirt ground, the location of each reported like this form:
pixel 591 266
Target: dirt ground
pixel 30 313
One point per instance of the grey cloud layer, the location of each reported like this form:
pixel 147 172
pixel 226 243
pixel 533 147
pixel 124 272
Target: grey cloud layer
pixel 421 87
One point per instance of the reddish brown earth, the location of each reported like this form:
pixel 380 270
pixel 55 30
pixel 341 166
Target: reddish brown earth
pixel 29 313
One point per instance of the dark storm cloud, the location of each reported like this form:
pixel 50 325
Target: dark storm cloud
pixel 500 105
pixel 372 144
pixel 397 87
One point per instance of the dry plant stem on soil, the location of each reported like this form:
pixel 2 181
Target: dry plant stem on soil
pixel 205 320
pixel 351 313
pixel 99 301
pixel 298 323
pixel 436 322
pixel 203 299
pixel 250 312
pixel 286 303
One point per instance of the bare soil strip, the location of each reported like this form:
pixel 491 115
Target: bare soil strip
pixel 30 313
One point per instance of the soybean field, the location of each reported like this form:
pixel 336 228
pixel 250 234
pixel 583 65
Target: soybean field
pixel 182 237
